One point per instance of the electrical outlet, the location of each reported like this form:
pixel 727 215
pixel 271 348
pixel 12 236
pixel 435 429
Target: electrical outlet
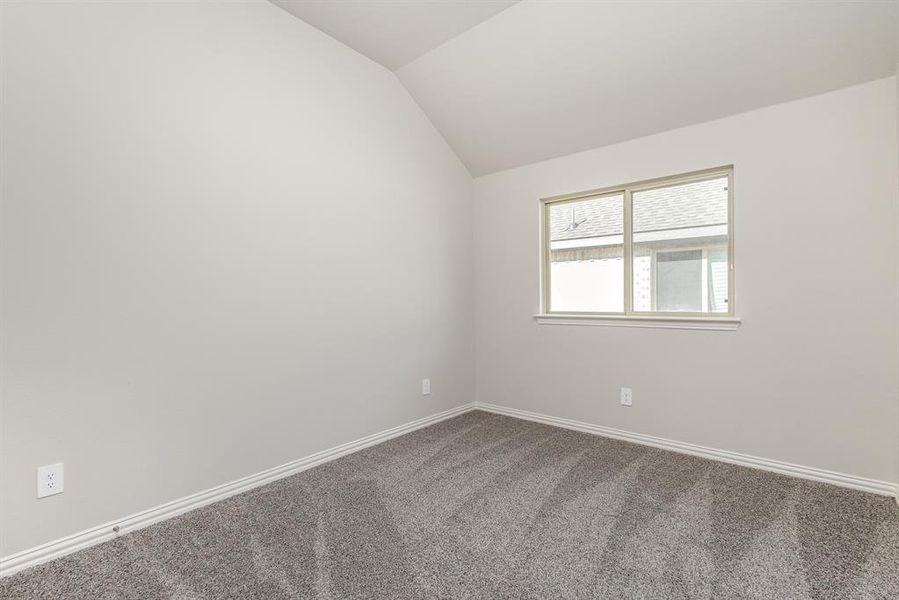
pixel 425 387
pixel 627 396
pixel 49 480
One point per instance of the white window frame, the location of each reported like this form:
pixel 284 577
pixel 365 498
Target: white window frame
pixel 630 317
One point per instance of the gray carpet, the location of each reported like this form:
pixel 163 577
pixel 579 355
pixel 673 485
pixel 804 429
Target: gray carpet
pixel 484 506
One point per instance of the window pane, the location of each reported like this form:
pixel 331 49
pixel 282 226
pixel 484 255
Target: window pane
pixel 681 248
pixel 587 255
pixel 679 280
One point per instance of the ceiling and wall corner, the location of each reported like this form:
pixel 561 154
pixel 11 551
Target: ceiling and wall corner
pixel 393 32
pixel 510 84
pixel 543 80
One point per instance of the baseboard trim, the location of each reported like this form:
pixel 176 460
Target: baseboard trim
pixel 101 533
pixel 874 486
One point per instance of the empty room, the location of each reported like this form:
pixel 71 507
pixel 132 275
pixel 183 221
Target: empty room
pixel 449 299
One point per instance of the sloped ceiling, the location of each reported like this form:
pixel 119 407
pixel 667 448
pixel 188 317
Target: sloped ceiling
pixel 393 32
pixel 538 79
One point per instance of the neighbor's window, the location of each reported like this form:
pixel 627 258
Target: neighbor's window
pixel 673 233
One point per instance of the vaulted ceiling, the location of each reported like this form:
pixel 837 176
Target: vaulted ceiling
pixel 508 84
pixel 393 32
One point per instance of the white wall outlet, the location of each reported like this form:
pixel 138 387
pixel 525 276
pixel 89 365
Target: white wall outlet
pixel 425 387
pixel 627 396
pixel 49 480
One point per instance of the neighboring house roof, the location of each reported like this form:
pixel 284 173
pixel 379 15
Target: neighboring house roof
pixel 696 204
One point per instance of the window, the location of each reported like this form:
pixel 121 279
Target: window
pixel 651 249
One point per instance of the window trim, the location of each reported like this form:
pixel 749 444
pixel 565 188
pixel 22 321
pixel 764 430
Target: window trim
pixel 646 318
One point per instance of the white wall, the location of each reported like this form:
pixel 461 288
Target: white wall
pixel 228 242
pixel 810 377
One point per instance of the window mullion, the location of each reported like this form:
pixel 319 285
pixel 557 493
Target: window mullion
pixel 628 254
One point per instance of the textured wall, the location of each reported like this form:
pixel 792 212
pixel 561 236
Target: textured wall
pixel 228 242
pixel 810 377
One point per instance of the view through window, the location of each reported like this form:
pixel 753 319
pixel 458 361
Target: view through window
pixel 675 234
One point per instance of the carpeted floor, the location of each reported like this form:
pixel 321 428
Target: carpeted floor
pixel 484 506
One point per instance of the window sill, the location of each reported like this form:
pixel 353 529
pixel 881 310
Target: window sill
pixel 666 322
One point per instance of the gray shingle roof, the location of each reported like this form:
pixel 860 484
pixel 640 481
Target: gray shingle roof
pixel 695 204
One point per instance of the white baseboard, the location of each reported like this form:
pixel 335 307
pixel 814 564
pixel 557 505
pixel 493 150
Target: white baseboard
pixel 874 486
pixel 101 533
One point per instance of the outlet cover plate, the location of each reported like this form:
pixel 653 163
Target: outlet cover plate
pixel 49 480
